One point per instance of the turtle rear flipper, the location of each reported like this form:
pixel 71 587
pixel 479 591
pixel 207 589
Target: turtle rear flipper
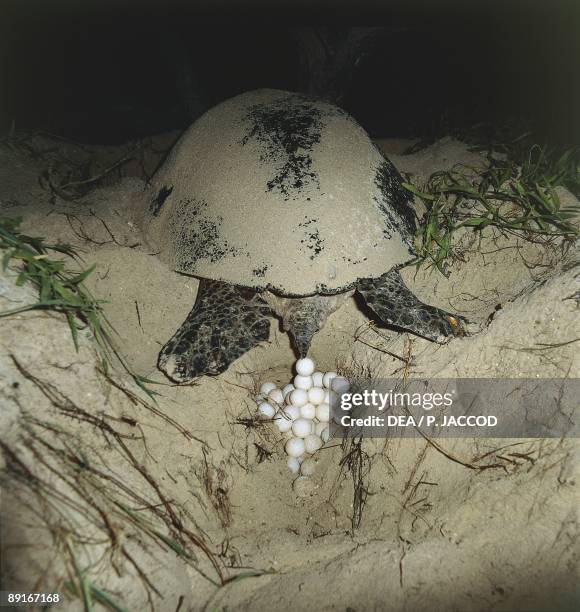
pixel 304 317
pixel 395 304
pixel 226 322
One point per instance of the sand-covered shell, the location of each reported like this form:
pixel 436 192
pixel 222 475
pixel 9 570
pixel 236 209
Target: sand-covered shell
pixel 279 191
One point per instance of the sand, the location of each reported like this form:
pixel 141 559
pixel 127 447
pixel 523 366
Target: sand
pixel 434 534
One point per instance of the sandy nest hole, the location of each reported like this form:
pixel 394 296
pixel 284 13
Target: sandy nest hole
pixel 161 505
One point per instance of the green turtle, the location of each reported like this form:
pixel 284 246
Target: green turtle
pixel 281 205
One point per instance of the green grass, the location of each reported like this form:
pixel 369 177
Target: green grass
pixel 515 193
pixel 59 290
pixel 91 594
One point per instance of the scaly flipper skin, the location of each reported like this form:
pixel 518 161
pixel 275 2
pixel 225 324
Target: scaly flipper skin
pixel 394 304
pixel 226 322
pixel 304 317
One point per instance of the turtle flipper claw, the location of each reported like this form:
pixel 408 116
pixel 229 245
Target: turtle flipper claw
pixel 395 304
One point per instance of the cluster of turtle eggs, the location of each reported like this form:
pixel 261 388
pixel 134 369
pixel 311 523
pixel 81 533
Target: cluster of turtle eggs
pixel 301 411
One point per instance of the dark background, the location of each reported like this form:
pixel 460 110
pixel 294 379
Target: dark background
pixel 105 72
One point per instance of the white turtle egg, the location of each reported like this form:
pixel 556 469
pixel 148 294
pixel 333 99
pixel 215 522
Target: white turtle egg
pixel 312 443
pixel 327 378
pixel 307 467
pixel 294 464
pixel 317 379
pixel 276 396
pixel 283 424
pixel 295 447
pixel 308 411
pixel 267 387
pixel 340 384
pixel 302 427
pixel 316 395
pixel 323 413
pixel 266 410
pixel 305 366
pixel 287 390
pixel 298 397
pixel 322 430
pixel 290 412
pixel 303 382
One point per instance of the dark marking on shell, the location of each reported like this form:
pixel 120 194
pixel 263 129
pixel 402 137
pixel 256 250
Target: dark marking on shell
pixel 287 130
pixel 393 202
pixel 159 200
pixel 354 262
pixel 260 272
pixel 314 242
pixel 312 238
pixel 197 235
